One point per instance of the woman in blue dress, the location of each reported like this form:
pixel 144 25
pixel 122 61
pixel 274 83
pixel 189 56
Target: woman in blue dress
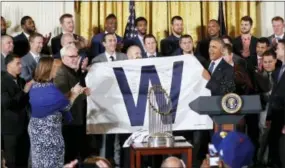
pixel 48 107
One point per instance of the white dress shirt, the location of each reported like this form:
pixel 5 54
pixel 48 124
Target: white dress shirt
pixel 281 37
pixel 27 35
pixel 217 62
pixel 108 56
pixel 154 54
pixel 36 56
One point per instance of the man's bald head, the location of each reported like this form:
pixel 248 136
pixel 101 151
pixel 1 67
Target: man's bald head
pixel 134 52
pixel 7 45
pixel 67 39
pixel 172 162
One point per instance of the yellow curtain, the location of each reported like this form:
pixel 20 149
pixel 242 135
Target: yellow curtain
pixel 91 16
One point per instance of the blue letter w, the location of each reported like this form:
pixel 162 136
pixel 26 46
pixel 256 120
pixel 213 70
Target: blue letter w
pixel 148 73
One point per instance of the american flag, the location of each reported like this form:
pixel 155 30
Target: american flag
pixel 130 30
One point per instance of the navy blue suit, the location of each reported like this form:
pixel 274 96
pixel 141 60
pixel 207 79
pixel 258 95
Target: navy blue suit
pixel 21 45
pixel 169 45
pixel 97 46
pixel 133 41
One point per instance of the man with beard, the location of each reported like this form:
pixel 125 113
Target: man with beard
pixel 7 47
pixel 67 25
pixel 3 26
pixel 203 45
pixel 110 27
pixel 141 26
pixel 245 44
pixel 21 41
pixel 171 43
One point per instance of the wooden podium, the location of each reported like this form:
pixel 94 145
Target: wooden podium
pixel 212 106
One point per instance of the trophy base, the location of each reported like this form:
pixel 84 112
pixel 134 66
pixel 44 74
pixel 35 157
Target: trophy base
pixel 161 140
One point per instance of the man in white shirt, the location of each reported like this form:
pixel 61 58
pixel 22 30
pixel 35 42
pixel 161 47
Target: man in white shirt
pixel 278 30
pixel 7 47
pixel 31 59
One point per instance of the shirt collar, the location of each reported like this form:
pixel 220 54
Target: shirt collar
pixel 217 61
pixel 108 56
pixel 27 35
pixel 259 57
pixel 35 55
pixel 149 54
pixel 4 54
pixel 281 37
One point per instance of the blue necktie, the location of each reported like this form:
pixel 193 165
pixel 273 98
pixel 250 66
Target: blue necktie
pixel 211 68
pixel 281 72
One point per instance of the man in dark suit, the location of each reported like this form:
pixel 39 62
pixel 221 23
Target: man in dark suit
pixel 141 26
pixel 14 119
pixel 236 58
pixel 245 44
pixel 3 26
pixel 7 47
pixel 31 59
pixel 110 27
pixel 67 24
pixel 222 74
pixel 171 43
pixel 241 77
pixel 265 81
pixel 21 41
pixel 68 76
pixel 278 31
pixel 213 29
pixel 276 110
pixel 150 45
pixel 187 48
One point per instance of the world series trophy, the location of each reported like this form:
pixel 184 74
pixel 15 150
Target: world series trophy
pixel 160 118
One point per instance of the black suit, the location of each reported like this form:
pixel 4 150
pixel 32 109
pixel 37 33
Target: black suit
pixel 14 120
pixel 222 80
pixel 276 113
pixel 22 46
pixel 169 45
pixel 56 44
pixel 238 47
pixel 201 59
pixel 203 48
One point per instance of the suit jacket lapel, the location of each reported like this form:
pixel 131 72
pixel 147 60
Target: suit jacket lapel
pixel 217 72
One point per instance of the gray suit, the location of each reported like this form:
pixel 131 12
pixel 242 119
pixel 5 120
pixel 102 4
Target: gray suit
pixel 3 66
pixel 110 146
pixel 29 65
pixel 102 57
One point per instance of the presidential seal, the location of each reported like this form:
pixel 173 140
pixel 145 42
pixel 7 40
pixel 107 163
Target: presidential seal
pixel 231 103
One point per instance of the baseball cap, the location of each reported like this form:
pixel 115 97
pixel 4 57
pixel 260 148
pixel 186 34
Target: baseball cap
pixel 235 149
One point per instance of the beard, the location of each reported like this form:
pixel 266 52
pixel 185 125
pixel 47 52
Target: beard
pixel 245 31
pixel 30 31
pixel 3 32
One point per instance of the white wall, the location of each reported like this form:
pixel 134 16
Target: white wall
pixel 267 11
pixel 45 14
